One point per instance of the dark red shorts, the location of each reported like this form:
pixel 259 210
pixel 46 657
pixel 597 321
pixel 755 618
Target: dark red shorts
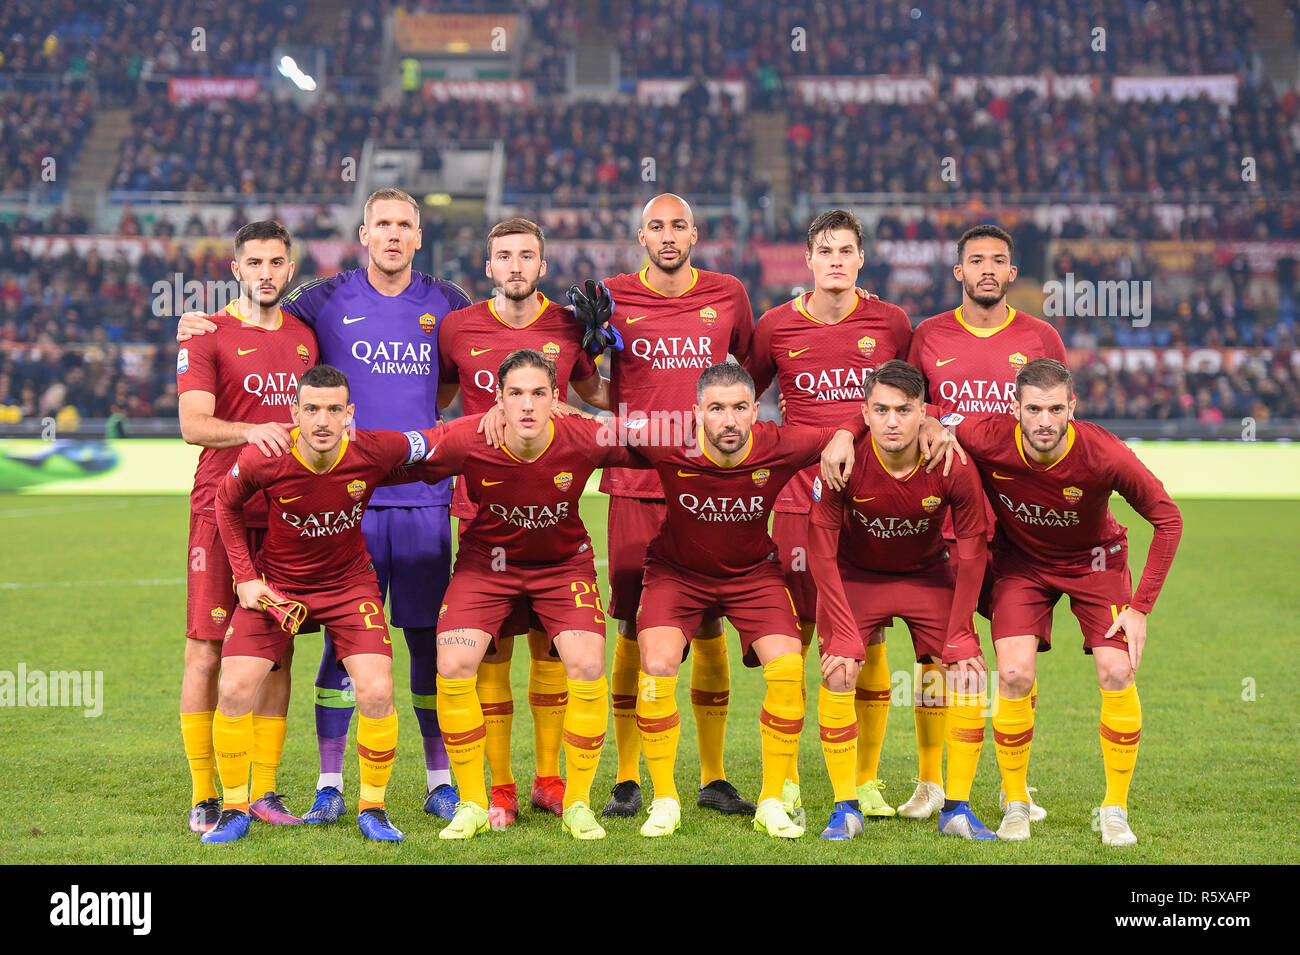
pixel 633 523
pixel 564 596
pixel 1024 596
pixel 210 593
pixel 790 534
pixel 353 611
pixel 922 600
pixel 757 604
pixel 522 619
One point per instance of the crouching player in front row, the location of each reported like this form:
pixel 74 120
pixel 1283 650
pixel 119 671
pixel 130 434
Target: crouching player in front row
pixel 526 545
pixel 1049 479
pixel 314 561
pixel 876 551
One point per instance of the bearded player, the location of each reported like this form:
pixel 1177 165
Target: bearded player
pixel 313 559
pixel 876 551
pixel 969 357
pixel 378 325
pixel 471 345
pixel 820 347
pixel 235 390
pixel 675 321
pixel 1049 479
pixel 525 548
pixel 713 558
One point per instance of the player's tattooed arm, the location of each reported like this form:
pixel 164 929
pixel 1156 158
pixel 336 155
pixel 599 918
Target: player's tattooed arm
pixel 594 391
pixel 194 323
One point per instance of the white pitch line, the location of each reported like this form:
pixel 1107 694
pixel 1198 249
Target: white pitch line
pixel 65 509
pixel 142 582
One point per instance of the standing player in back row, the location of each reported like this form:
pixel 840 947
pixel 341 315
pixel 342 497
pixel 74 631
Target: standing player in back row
pixel 675 320
pixel 235 389
pixel 378 325
pixel 472 343
pixel 969 357
pixel 820 347
pixel 1050 478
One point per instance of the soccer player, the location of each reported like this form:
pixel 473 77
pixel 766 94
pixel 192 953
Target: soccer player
pixel 675 321
pixel 713 557
pixel 970 356
pixel 471 345
pixel 820 346
pixel 314 555
pixel 525 547
pixel 378 324
pixel 1050 479
pixel 235 389
pixel 876 551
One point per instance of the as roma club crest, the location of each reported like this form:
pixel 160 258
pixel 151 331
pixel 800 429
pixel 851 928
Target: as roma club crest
pixel 1017 361
pixel 760 476
pixel 427 322
pixel 931 503
pixel 866 345
pixel 1072 494
pixel 218 615
pixel 551 351
pixel 708 315
pixel 303 353
pixel 563 480
pixel 356 489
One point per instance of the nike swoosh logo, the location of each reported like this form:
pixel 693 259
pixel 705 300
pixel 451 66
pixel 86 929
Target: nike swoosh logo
pixel 475 352
pixel 245 351
pixel 840 735
pixel 286 500
pixel 633 321
pixel 1129 739
pixel 353 321
pixel 862 500
pixel 1002 477
pixel 487 483
pixel 939 363
pixel 796 354
pixel 681 473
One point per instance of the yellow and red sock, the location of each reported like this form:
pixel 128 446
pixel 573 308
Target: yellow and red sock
pixel 710 695
pixel 268 748
pixel 780 721
pixel 930 713
pixel 196 734
pixel 585 720
pixel 377 748
pixel 871 700
pixel 839 732
pixel 498 704
pixel 1013 732
pixel 1121 728
pixel 660 726
pixel 623 677
pixel 463 733
pixel 548 697
pixel 232 740
pixel 964 734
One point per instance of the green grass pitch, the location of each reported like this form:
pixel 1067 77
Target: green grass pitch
pixel 97 584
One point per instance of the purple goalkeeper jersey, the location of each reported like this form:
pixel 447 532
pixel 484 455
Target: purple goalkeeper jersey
pixel 388 348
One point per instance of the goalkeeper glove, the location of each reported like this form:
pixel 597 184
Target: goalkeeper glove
pixel 594 307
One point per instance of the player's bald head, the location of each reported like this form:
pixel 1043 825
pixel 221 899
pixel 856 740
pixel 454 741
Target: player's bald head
pixel 667 208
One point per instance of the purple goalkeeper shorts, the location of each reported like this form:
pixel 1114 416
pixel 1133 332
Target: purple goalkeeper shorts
pixel 411 550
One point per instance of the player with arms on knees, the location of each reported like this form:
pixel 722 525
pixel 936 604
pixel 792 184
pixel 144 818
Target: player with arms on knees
pixel 235 390
pixel 714 558
pixel 314 564
pixel 675 320
pixel 378 325
pixel 970 356
pixel 1050 479
pixel 876 551
pixel 820 347
pixel 526 548
pixel 471 345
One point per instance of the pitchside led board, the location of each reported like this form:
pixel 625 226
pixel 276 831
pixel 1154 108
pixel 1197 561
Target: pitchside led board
pixel 1211 470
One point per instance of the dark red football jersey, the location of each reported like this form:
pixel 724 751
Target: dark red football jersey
pixel 253 374
pixel 716 521
pixel 973 370
pixel 893 525
pixel 1058 515
pixel 820 368
pixel 472 343
pixel 313 537
pixel 667 342
pixel 528 509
